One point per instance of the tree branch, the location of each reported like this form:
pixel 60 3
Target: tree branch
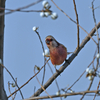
pixel 78 38
pixel 67 94
pixel 18 9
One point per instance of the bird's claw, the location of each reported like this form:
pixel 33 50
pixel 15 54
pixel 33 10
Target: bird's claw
pixel 67 61
pixel 57 70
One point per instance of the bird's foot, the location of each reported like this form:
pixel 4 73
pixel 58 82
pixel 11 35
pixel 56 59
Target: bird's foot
pixel 57 70
pixel 66 60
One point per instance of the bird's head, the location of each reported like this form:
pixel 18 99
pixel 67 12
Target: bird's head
pixel 51 42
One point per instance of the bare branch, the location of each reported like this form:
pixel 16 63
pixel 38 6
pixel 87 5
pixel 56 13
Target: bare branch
pixel 95 24
pixel 21 10
pixel 44 56
pixel 78 39
pixel 1 14
pixel 67 94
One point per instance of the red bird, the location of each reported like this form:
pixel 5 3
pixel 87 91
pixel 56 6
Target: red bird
pixel 58 52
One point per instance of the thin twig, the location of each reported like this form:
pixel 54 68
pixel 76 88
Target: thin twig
pixel 44 10
pixel 96 7
pixel 15 90
pixel 95 24
pixel 42 86
pixel 74 22
pixel 78 38
pixel 13 80
pixel 15 94
pixel 1 14
pixel 44 56
pixel 76 81
pixel 1 8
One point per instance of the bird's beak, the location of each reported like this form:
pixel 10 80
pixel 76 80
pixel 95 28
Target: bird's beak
pixel 47 41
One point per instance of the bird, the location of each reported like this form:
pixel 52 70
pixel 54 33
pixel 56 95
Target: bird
pixel 58 52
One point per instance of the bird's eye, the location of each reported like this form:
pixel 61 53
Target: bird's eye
pixel 51 39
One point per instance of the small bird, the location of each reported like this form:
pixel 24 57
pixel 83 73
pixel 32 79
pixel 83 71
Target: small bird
pixel 58 52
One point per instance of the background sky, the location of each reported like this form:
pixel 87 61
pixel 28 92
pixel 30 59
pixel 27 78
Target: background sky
pixel 22 48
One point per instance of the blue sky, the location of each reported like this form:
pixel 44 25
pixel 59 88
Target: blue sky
pixel 22 48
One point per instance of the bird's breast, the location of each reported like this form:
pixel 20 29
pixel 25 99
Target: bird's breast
pixel 58 55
